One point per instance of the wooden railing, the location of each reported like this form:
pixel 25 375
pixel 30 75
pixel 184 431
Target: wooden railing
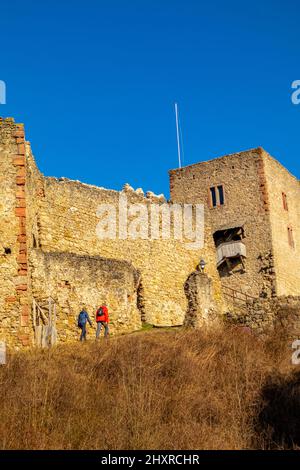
pixel 237 296
pixel 44 322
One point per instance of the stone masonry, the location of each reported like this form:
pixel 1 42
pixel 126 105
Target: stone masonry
pixel 263 198
pixel 50 248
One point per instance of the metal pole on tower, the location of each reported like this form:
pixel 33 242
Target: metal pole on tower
pixel 177 132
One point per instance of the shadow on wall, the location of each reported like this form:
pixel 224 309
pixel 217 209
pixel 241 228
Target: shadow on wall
pixel 279 420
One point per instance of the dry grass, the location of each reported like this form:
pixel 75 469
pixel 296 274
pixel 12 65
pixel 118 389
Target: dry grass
pixel 155 390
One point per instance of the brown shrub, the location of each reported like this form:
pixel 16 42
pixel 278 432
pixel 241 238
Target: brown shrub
pixel 182 389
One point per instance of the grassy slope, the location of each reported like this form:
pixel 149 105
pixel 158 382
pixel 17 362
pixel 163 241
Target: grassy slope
pixel 159 389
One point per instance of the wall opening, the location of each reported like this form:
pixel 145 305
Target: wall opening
pixel 231 251
pixel 216 196
pixel 291 237
pixel 284 202
pixel 213 196
pixel 221 195
pixel 140 301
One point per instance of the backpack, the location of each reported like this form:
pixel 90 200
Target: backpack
pixel 81 319
pixel 100 313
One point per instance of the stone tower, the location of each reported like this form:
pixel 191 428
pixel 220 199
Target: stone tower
pixel 253 205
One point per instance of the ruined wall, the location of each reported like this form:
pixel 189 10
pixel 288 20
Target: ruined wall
pixel 246 203
pixel 68 221
pixel 201 312
pixel 14 279
pixel 286 257
pixel 82 281
pixel 279 316
pixel 49 225
pixel 34 192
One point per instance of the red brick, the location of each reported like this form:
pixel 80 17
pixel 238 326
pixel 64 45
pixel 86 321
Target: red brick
pixel 20 211
pixel 21 149
pixel 24 320
pixel 22 258
pixel 21 202
pixel 20 194
pixel 19 133
pixel 23 266
pixel 22 226
pixel 22 272
pixel 11 299
pixel 21 171
pixel 21 180
pixel 19 160
pixel 22 229
pixel 22 247
pixel 21 287
pixel 25 310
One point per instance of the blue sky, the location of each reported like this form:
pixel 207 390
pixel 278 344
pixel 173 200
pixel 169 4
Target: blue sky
pixel 95 83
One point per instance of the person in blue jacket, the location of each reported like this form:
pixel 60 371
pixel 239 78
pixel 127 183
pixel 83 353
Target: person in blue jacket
pixel 83 318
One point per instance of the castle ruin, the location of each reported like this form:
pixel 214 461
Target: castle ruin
pixel 52 262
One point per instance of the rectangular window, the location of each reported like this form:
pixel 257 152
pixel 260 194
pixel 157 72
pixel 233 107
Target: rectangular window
pixel 217 196
pixel 284 201
pixel 291 237
pixel 221 195
pixel 213 196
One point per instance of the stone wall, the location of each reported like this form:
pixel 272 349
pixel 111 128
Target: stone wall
pixel 68 221
pixel 77 282
pixel 279 316
pixel 49 229
pixel 201 312
pixel 286 257
pixel 257 314
pixel 246 204
pixel 14 278
pixel 287 317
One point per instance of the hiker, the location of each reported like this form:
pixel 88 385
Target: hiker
pixel 102 320
pixel 83 317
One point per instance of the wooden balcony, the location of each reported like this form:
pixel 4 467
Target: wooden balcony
pixel 228 250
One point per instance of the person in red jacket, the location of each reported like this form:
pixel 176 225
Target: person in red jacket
pixel 102 319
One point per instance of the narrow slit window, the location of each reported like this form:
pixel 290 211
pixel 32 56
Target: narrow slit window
pixel 284 201
pixel 291 237
pixel 221 195
pixel 213 196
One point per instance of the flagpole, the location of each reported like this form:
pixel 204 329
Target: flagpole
pixel 177 132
